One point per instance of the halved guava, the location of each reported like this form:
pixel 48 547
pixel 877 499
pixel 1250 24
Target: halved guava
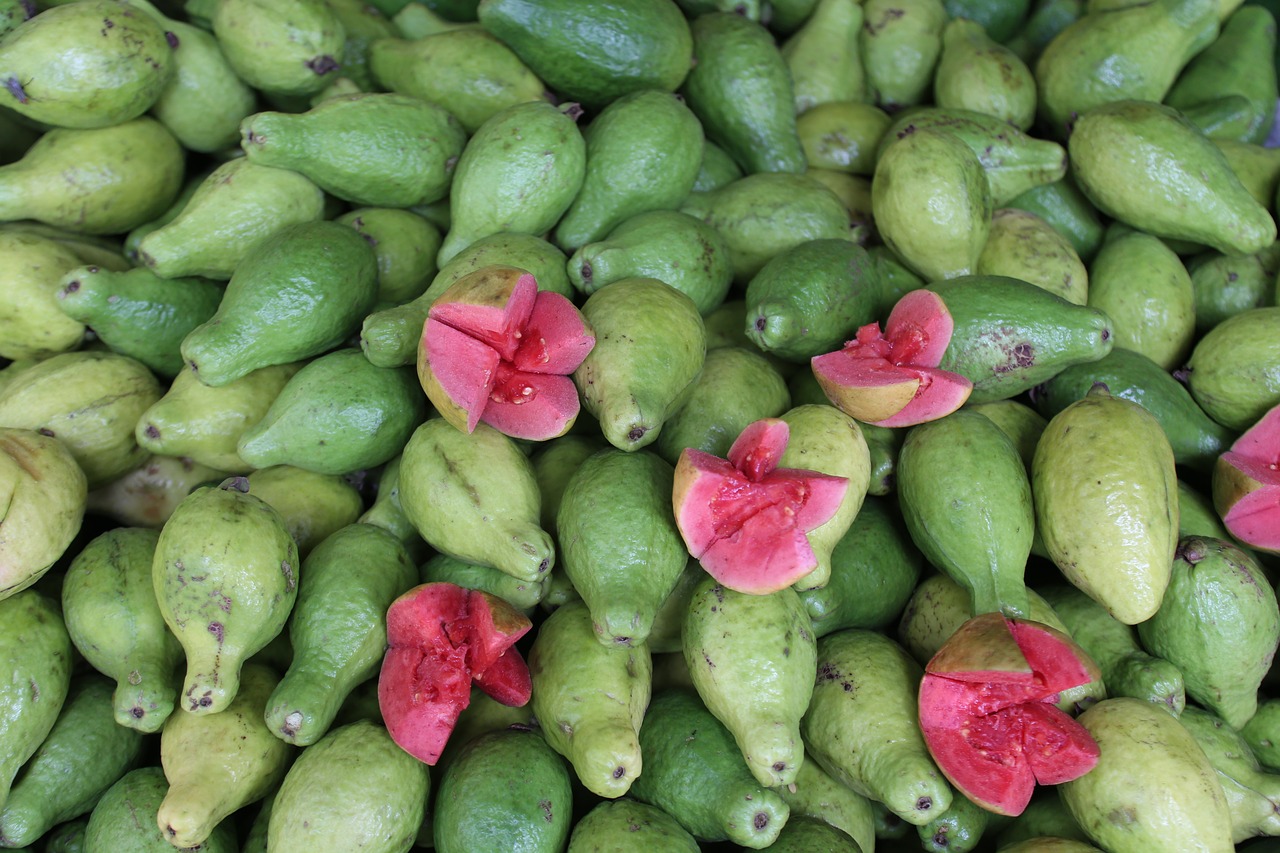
pixel 440 638
pixel 745 519
pixel 496 349
pixel 987 712
pixel 1246 485
pixel 891 379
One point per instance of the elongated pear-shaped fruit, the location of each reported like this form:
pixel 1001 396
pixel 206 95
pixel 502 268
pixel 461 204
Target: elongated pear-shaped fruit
pixel 966 498
pixel 33 638
pixel 309 284
pixel 114 620
pixel 238 205
pixel 104 180
pixel 95 63
pixel 125 818
pixel 1105 491
pixel 89 400
pixel 694 772
pixel 1218 623
pixel 339 414
pixel 862 725
pixel 1146 165
pixel 1187 811
pixel 377 149
pixel 626 561
pixel 337 628
pixel 633 380
pixel 1143 46
pixel 225 574
pixel 944 237
pixel 218 763
pixel 589 699
pixel 354 784
pixel 473 496
pixel 83 755
pixel 519 172
pixel 43 491
pixel 752 659
pixel 32 323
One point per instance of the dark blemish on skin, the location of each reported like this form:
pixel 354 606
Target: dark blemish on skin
pixel 255 138
pixel 718 592
pixel 322 65
pixel 15 89
pixel 172 39
pixel 761 820
pixel 45 431
pixel 137 713
pixel 238 484
pixel 924 804
pixel 619 772
pixel 152 431
pixel 761 322
pixel 636 433
pixel 72 287
pixel 543 566
pixel 289 580
pixel 35 690
pixel 545 805
pixel 1024 354
pixel 585 272
pixel 940 838
pixel 216 629
pixel 779 766
pixel 573 111
pixel 1106 334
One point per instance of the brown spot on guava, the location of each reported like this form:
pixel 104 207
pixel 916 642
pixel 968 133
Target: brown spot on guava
pixel 924 804
pixel 217 630
pixel 547 815
pixel 619 772
pixel 137 713
pixel 760 821
pixel 321 65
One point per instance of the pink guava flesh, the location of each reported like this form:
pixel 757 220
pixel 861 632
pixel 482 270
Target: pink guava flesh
pixel 441 637
pixel 890 378
pixel 508 366
pixel 744 519
pixel 1247 485
pixel 993 731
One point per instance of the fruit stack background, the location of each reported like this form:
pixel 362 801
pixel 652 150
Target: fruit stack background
pixel 547 425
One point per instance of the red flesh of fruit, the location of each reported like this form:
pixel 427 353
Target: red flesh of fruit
pixel 508 366
pixel 744 518
pixel 989 720
pixel 891 379
pixel 441 637
pixel 1253 515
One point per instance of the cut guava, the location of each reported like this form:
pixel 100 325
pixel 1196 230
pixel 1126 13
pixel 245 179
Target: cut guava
pixel 496 349
pixel 987 712
pixel 890 378
pixel 1246 485
pixel 440 638
pixel 745 519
